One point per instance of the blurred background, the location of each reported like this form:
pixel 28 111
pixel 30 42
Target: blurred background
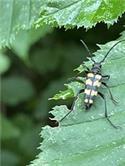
pixel 33 69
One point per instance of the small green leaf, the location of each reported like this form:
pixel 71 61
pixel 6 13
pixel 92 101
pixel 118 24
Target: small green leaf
pixel 63 95
pixel 25 38
pixel 8 158
pixel 4 63
pixel 9 130
pixel 16 89
pixel 72 89
pixel 86 138
pixel 70 13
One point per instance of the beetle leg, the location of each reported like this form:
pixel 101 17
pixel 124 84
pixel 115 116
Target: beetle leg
pixel 105 77
pixel 106 113
pixel 81 91
pixel 111 96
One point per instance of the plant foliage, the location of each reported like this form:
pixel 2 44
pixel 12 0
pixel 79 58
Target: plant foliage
pixel 68 13
pixel 36 66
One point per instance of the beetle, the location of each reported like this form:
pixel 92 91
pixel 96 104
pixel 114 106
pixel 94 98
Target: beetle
pixel 94 80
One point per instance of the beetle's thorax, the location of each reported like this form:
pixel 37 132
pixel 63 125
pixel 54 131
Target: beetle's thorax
pixel 96 68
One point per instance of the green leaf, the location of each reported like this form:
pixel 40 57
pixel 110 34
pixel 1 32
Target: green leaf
pixel 89 143
pixel 42 57
pixel 4 63
pixel 16 90
pixel 28 145
pixel 9 158
pixel 16 15
pixel 63 95
pixel 70 13
pixel 61 55
pixel 25 38
pixel 9 130
pixel 86 138
pixel 72 89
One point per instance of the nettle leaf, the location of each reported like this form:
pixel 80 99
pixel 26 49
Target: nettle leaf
pixel 16 15
pixel 86 138
pixel 70 13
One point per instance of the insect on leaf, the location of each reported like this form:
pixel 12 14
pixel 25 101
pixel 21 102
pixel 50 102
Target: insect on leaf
pixel 86 138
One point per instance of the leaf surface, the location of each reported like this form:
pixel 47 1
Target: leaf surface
pixel 16 15
pixel 70 13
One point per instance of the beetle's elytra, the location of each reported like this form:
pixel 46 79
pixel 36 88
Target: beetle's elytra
pixel 94 79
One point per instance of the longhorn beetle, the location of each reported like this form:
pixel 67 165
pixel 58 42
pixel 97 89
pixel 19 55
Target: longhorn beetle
pixel 94 79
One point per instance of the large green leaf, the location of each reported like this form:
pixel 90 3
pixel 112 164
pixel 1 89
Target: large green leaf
pixel 16 15
pixel 86 138
pixel 16 89
pixel 69 13
pixel 25 38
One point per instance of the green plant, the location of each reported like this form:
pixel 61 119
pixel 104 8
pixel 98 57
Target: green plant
pixel 88 136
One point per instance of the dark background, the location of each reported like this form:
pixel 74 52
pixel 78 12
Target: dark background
pixel 52 60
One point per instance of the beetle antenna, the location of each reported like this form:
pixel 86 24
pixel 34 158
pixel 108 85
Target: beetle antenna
pixel 111 49
pixel 87 49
